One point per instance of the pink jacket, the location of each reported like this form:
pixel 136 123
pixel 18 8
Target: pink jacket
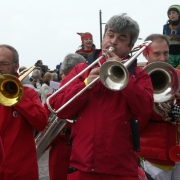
pixel 102 134
pixel 16 130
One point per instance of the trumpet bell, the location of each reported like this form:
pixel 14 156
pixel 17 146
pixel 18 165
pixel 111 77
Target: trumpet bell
pixel 164 79
pixel 114 75
pixel 174 153
pixel 11 90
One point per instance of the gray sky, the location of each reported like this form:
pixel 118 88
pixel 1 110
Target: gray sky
pixel 46 29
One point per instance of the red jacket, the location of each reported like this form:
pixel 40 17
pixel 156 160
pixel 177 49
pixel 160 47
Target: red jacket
pixel 89 52
pixel 16 130
pixel 1 153
pixel 102 134
pixel 157 138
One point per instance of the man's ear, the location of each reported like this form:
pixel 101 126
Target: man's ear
pixel 17 66
pixel 147 56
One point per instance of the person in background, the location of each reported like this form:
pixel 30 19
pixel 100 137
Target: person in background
pixel 26 82
pixel 45 86
pixel 102 146
pixel 39 63
pixel 17 123
pixel 22 68
pixel 55 76
pixel 60 150
pixel 44 69
pixel 36 81
pixel 157 135
pixel 87 45
pixel 172 30
pixel 85 55
pixel 58 70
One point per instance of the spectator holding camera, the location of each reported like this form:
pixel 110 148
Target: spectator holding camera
pixel 36 80
pixel 45 87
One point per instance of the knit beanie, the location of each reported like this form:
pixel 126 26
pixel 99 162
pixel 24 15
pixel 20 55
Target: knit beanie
pixel 175 8
pixel 85 35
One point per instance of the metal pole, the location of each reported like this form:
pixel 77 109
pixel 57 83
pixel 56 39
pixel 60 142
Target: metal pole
pixel 100 21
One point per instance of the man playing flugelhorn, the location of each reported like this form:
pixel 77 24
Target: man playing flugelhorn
pixel 159 135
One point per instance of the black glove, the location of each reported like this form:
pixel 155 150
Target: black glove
pixel 174 112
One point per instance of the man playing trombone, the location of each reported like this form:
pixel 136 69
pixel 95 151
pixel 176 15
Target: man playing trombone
pixel 102 146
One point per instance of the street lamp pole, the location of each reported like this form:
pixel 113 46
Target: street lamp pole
pixel 100 22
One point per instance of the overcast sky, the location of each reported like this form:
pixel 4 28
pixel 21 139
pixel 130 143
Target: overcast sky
pixel 46 29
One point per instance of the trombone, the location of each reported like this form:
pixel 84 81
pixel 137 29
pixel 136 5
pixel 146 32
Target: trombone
pixel 11 88
pixel 113 74
pixel 115 79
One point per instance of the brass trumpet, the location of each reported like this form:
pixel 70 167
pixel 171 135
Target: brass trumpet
pixel 11 88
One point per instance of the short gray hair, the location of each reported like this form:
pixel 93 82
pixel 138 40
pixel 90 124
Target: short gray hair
pixel 14 51
pixel 123 23
pixel 70 61
pixel 54 76
pixel 36 73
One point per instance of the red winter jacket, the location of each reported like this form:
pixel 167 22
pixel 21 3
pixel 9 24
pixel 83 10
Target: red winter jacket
pixel 157 138
pixel 102 134
pixel 1 153
pixel 16 130
pixel 88 52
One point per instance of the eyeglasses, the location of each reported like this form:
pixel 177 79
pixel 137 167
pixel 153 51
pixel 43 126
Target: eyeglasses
pixel 3 64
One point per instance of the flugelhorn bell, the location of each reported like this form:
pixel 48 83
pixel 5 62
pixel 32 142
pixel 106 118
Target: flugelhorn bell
pixel 164 79
pixel 11 88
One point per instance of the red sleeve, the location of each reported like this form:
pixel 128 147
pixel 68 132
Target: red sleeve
pixel 143 120
pixel 139 93
pixel 1 153
pixel 31 109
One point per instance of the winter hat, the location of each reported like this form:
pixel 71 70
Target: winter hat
pixel 175 8
pixel 85 35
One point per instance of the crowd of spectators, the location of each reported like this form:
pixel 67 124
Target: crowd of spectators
pixel 40 79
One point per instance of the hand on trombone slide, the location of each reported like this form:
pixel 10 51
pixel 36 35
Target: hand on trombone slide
pixel 93 75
